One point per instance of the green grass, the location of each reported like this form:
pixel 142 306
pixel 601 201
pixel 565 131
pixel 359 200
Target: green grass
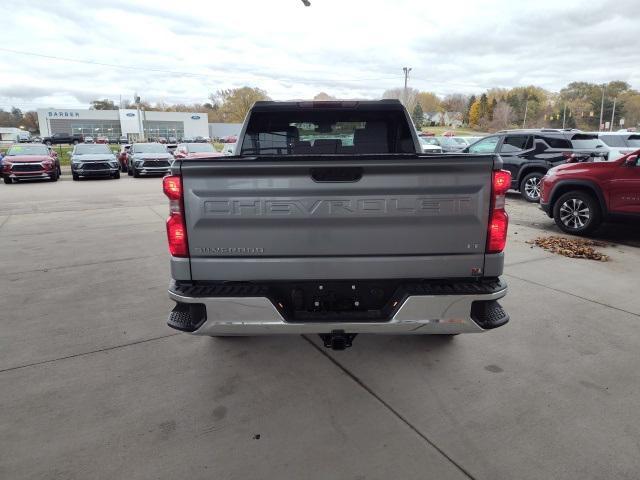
pixel 462 132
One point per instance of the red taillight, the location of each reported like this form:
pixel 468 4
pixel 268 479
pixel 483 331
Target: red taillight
pixel 501 182
pixel 498 218
pixel 172 186
pixel 177 235
pixel 497 231
pixel 176 229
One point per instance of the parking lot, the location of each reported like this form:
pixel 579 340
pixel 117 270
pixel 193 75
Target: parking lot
pixel 94 385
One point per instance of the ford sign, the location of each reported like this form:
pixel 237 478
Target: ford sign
pixel 195 117
pixel 131 114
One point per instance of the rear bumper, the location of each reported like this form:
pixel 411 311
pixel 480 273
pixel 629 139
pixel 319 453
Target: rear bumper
pixel 432 313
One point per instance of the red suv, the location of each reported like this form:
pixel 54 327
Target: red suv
pixel 579 196
pixel 29 162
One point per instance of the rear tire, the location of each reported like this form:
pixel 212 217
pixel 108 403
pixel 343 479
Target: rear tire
pixel 136 174
pixel 530 187
pixel 577 213
pixel 129 172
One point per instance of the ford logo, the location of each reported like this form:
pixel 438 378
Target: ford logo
pixel 131 114
pixel 195 117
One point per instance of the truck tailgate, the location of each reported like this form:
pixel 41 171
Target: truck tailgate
pixel 318 218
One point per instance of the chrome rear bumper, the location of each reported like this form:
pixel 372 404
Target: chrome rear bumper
pixel 418 314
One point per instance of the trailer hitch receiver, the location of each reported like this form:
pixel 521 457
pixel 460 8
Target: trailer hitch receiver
pixel 337 339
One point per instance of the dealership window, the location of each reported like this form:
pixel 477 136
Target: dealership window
pixel 164 129
pixel 93 128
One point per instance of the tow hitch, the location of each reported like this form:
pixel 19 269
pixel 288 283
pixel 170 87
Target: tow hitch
pixel 337 339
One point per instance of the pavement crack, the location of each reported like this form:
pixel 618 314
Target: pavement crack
pixel 88 264
pixel 572 294
pixel 151 208
pixel 5 221
pixel 91 352
pixel 392 410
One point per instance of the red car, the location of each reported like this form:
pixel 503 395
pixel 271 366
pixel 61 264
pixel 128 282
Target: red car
pixel 579 196
pixel 196 150
pixel 30 162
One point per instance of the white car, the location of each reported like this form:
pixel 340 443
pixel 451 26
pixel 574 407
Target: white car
pixel 619 143
pixel 430 145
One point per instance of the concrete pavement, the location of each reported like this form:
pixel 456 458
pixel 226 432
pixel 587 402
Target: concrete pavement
pixel 94 385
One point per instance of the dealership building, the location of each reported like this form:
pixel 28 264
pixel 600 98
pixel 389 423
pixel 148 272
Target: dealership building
pixel 132 123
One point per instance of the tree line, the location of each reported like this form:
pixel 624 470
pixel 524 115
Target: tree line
pixel 577 105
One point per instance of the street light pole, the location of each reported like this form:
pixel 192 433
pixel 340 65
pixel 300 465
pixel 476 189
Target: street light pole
pixel 406 71
pixel 613 114
pixel 526 107
pixel 602 106
pixel 564 115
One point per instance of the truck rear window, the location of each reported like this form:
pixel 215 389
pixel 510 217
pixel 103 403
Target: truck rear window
pixel 327 131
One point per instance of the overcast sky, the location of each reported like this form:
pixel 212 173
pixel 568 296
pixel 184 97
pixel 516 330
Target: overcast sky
pixel 180 51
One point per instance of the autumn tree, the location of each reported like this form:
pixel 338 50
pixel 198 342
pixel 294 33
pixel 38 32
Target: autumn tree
pixel 503 116
pixel 474 114
pixel 429 101
pixel 30 121
pixel 235 103
pixel 399 93
pixel 455 102
pixel 104 104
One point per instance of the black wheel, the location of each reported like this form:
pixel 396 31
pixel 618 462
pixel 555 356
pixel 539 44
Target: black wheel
pixel 59 171
pixel 129 171
pixel 54 177
pixel 136 174
pixel 577 213
pixel 530 187
pixel 8 180
pixel 75 177
pixel 116 175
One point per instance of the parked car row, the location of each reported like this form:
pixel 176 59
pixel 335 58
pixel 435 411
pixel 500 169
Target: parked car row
pixel 91 160
pixel 529 154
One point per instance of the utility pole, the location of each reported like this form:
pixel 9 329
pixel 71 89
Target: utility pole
pixel 601 107
pixel 526 107
pixel 613 114
pixel 406 71
pixel 564 115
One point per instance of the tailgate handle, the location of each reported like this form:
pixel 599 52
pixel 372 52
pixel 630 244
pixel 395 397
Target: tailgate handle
pixel 336 174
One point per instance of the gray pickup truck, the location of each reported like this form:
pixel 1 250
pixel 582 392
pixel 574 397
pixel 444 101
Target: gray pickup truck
pixel 327 221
